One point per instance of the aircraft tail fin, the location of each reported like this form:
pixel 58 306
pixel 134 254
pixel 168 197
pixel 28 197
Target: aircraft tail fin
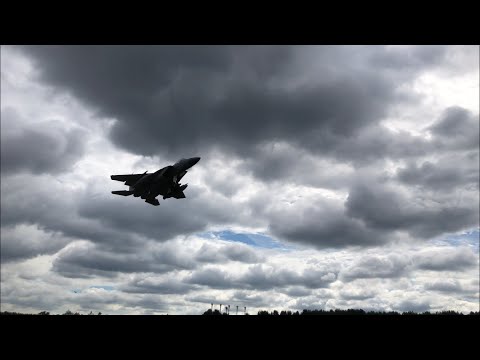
pixel 122 192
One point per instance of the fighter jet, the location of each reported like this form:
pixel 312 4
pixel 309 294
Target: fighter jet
pixel 165 182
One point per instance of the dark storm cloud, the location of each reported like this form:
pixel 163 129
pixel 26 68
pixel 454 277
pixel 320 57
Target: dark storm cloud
pixel 385 209
pixel 176 99
pixel 44 148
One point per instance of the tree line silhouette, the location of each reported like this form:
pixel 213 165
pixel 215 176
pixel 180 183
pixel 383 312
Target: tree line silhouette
pixel 68 312
pixel 344 312
pixel 290 313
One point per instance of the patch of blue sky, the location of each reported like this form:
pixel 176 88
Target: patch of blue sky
pixel 104 287
pixel 253 239
pixel 469 238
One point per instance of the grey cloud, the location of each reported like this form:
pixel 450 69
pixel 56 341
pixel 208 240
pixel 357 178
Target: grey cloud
pixel 100 218
pixel 102 300
pixel 232 252
pixel 447 285
pixel 87 260
pixel 154 285
pixel 396 266
pixel 414 305
pixel 222 96
pixel 172 218
pixel 45 147
pixel 310 278
pixel 457 129
pixel 260 278
pixel 22 242
pixel 359 294
pixel 412 58
pixel 368 267
pixel 134 216
pixel 446 259
pixel 213 278
pixel 249 299
pixel 242 298
pixel 202 299
pixel 280 162
pixel 296 291
pixel 52 205
pixel 36 300
pixel 323 227
pixel 447 174
pixel 383 208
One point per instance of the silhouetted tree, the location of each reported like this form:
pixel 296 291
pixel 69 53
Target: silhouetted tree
pixel 214 312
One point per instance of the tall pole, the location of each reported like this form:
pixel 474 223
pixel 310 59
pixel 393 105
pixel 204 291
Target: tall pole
pixel 211 307
pixel 237 311
pixel 245 310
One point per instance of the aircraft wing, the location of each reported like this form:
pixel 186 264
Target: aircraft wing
pixel 129 180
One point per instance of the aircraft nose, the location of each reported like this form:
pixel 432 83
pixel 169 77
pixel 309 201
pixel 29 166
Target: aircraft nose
pixel 195 160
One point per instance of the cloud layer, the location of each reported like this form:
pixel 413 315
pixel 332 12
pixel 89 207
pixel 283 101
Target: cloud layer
pixel 339 154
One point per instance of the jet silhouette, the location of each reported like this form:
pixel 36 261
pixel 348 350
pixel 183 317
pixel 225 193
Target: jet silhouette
pixel 163 182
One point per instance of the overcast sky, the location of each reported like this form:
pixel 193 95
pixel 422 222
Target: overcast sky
pixel 330 177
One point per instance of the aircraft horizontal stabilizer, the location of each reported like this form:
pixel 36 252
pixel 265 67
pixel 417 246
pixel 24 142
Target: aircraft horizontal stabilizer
pixel 154 202
pixel 122 192
pixel 179 195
